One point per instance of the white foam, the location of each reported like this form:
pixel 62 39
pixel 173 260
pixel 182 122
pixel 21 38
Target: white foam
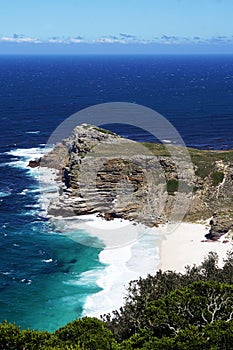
pixel 113 234
pixel 166 141
pixel 131 251
pixel 48 187
pixel 33 132
pixel 124 262
pixel 5 193
pixel 23 156
pixel 32 206
pixel 88 278
pixel 27 153
pixel 24 192
pixel 124 265
pixel 47 260
pixel 6 273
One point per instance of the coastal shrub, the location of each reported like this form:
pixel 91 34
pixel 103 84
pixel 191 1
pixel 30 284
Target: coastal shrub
pixel 133 316
pixel 104 131
pixel 63 347
pixel 89 332
pixel 203 164
pixel 218 335
pixel 12 337
pixel 217 177
pixel 172 186
pixel 83 334
pixel 198 304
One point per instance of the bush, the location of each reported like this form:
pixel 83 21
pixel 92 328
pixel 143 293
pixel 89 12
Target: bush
pixel 133 316
pixel 217 177
pixel 89 332
pixel 172 186
pixel 11 338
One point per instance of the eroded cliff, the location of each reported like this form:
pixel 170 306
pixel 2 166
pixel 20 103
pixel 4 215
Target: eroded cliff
pixel 101 172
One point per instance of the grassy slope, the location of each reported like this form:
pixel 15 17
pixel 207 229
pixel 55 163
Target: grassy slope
pixel 206 169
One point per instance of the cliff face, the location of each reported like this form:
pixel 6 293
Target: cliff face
pixel 100 172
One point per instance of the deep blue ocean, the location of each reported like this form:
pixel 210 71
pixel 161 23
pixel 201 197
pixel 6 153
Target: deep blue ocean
pixel 38 265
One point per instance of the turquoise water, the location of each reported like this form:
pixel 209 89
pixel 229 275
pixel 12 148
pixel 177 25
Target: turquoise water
pixel 41 270
pixel 44 291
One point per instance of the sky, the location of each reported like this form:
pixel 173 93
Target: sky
pixel 109 26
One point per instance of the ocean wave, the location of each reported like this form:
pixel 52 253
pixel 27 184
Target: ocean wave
pixel 24 192
pixel 89 278
pixel 5 193
pixel 47 187
pixel 26 281
pixel 33 132
pixel 120 264
pixel 27 153
pixel 123 265
pixel 37 205
pixel 20 158
pixel 47 260
pixel 5 273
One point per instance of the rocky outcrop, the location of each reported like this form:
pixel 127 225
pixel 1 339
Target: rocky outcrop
pixel 220 224
pixel 101 172
pixel 34 163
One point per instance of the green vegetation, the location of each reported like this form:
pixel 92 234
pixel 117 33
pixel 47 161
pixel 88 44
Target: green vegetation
pixel 168 311
pixel 104 131
pixel 87 333
pixel 204 161
pixel 157 149
pixel 172 186
pixel 217 177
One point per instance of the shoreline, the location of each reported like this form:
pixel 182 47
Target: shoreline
pixel 122 253
pixel 168 247
pixel 186 245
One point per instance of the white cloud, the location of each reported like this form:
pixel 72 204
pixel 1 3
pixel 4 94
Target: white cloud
pixel 109 40
pixel 55 41
pixel 19 39
pixel 76 40
pixel 122 38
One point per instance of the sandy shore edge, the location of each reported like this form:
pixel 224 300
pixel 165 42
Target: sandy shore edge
pixel 184 246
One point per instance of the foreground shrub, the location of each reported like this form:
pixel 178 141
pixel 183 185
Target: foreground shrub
pixel 89 332
pixel 13 338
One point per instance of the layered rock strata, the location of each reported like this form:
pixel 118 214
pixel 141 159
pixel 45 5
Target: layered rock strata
pixel 101 172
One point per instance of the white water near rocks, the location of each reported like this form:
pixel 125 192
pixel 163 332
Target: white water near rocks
pixel 123 263
pixel 136 258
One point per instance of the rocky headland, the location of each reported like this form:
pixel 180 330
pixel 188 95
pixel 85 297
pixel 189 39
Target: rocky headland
pixel 101 172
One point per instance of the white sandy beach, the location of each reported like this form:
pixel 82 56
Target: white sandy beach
pixel 134 251
pixel 131 250
pixel 184 247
